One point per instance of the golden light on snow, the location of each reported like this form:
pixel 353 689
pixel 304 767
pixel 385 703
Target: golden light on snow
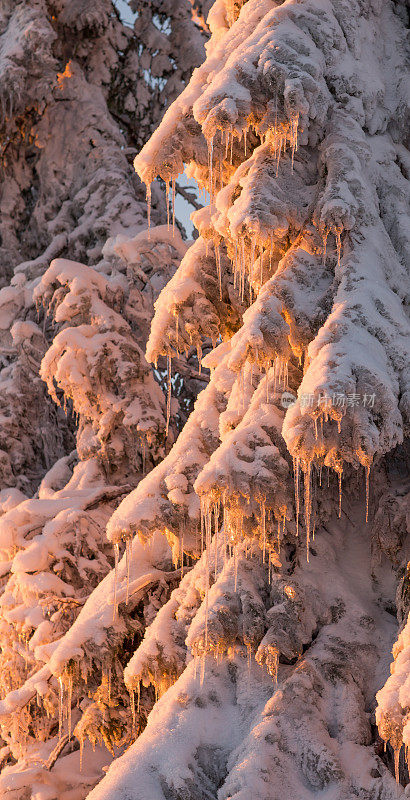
pixel 62 76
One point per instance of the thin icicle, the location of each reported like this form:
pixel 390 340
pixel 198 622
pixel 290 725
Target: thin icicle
pixel 210 143
pixel 169 365
pixel 216 523
pixel 148 197
pixel 340 472
pixel 127 560
pixel 69 701
pixel 367 471
pixel 173 205
pixel 167 201
pixel 116 559
pixel 133 716
pixel 60 707
pixel 263 516
pixel 296 473
pixel 219 269
pixel 308 504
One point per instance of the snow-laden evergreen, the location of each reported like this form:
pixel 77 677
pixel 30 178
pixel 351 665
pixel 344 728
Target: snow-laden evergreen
pixel 295 125
pixel 67 76
pixel 236 619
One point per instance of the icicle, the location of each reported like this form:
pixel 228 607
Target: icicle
pixel 296 472
pixel 116 558
pixel 263 530
pixel 173 205
pixel 244 136
pixel 127 559
pixel 216 520
pixel 225 524
pixel 294 137
pixel 133 716
pixel 60 708
pixel 210 143
pixel 308 504
pixel 315 423
pixel 69 701
pixel 235 562
pixel 219 270
pixel 81 752
pixel 167 201
pixel 207 511
pixel 168 393
pixel 148 196
pixel 231 148
pixel 367 470
pixel 340 471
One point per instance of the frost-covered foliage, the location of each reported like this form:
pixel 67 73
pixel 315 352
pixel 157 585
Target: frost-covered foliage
pixel 66 70
pixel 97 364
pixel 294 721
pixel 54 550
pixel 297 155
pixel 295 125
pixel 252 668
pixel 69 71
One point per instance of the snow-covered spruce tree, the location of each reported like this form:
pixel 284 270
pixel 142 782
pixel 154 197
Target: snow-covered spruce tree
pixel 54 547
pixel 76 91
pixel 66 186
pixel 270 661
